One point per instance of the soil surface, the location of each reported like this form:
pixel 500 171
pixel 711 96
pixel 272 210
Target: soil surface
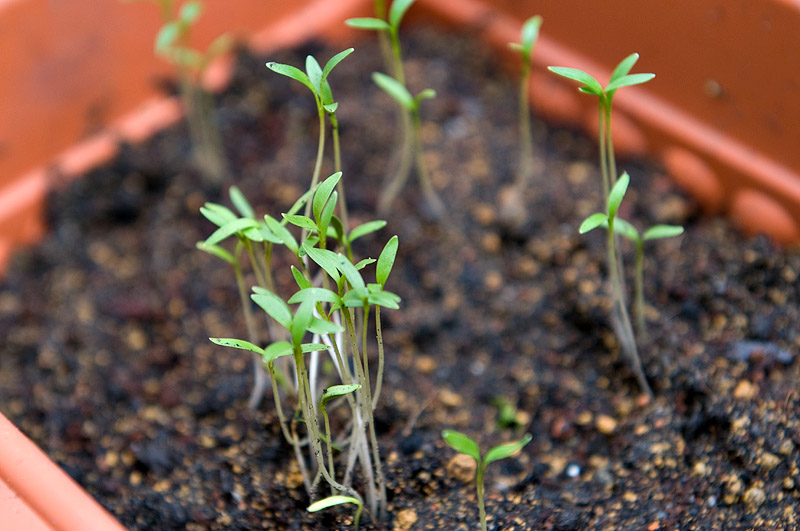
pixel 106 364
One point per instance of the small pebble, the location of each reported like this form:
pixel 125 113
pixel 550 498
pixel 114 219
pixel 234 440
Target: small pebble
pixel 605 424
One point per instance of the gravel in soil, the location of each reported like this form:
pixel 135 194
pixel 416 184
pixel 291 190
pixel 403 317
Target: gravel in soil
pixel 105 361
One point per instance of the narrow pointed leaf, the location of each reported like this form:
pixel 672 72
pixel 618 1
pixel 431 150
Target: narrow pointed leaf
pixel 395 89
pixel 425 94
pixel 276 350
pixel 580 76
pixel 217 251
pixel 398 11
pixel 629 80
pixel 335 60
pixel 657 232
pixel 617 193
pixel 530 32
pixel 291 72
pixel 592 222
pixel 314 73
pixel 506 450
pixel 274 306
pixel 166 39
pixel 322 327
pixel 301 320
pixel 313 347
pixel 282 232
pixel 368 23
pixel 217 214
pixel 314 294
pixel 323 193
pixel 237 343
pixel 336 391
pixel 624 67
pixel 350 272
pixel 300 279
pixel 366 228
pixel 326 259
pixel 190 11
pixel 626 229
pixel 386 260
pixel 240 203
pixel 462 443
pixel 364 263
pixel 300 221
pixel 231 228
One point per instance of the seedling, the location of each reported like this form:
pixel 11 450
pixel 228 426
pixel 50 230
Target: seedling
pixel 607 219
pixel 409 139
pixel 464 444
pixel 333 501
pixel 173 45
pixel 402 96
pixel 529 36
pixel 332 306
pixel 655 232
pixel 620 77
pixel 315 78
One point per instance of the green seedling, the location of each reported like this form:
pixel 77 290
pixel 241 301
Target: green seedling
pixel 315 78
pixel 608 220
pixel 173 44
pixel 464 444
pixel 333 501
pixel 332 306
pixel 411 103
pixel 655 232
pixel 620 77
pixel 529 36
pixel 408 144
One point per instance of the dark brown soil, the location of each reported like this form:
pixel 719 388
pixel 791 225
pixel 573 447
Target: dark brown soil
pixel 105 361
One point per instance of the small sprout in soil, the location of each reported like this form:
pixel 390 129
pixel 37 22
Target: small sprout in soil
pixel 402 96
pixel 172 43
pixel 529 36
pixel 620 77
pixel 332 501
pixel 409 143
pixel 608 219
pixel 464 444
pixel 655 232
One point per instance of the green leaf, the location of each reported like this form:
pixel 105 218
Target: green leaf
pixel 384 299
pixel 191 59
pixel 626 229
pixel 217 251
pixel 314 73
pixel 462 444
pixel 629 80
pixel 282 232
pixel 332 501
pixel 617 193
pixel 530 32
pixel 301 321
pixel 323 327
pixel 336 391
pixel 395 89
pixel 323 193
pixel 305 348
pixel 237 343
pixel 366 228
pixel 314 294
pixel 350 272
pixel 300 278
pixel 591 84
pixel 386 260
pixel 217 214
pixel 335 60
pixel 300 202
pixel 364 263
pixel 240 203
pixel 237 226
pixel 190 11
pixel 166 38
pixel 291 72
pixel 326 259
pixel 368 23
pixel 219 46
pixel 426 94
pixel 624 67
pixel 276 350
pixel 592 222
pixel 301 221
pixel 356 297
pixel 398 11
pixel 657 232
pixel 506 450
pixel 331 108
pixel 273 305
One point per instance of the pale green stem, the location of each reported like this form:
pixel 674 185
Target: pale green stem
pixel 436 205
pixel 525 136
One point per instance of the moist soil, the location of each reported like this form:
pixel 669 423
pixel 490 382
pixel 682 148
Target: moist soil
pixel 503 327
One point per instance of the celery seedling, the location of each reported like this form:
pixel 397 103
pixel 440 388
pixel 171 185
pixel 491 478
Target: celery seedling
pixel 529 36
pixel 464 444
pixel 608 219
pixel 407 143
pixel 315 78
pixel 402 96
pixel 332 501
pixel 655 232
pixel 620 77
pixel 173 44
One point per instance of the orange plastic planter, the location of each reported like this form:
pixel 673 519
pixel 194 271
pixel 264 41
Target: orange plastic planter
pixel 723 115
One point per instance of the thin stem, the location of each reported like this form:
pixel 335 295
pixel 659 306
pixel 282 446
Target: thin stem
pixel 612 161
pixel 379 338
pixel 479 487
pixel 638 287
pixel 436 205
pixel 603 157
pixel 337 163
pixel 291 438
pixel 525 135
pixel 317 163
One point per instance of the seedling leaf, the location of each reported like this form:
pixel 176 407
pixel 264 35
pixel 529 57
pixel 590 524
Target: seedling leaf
pixel 617 193
pixel 237 226
pixel 300 221
pixel 276 350
pixel 591 85
pixel 624 67
pixel 386 260
pixel 322 327
pixel 335 60
pixel 368 23
pixel 530 32
pixel 291 72
pixel 237 343
pixel 323 193
pixel 592 222
pixel 315 294
pixel 273 305
pixel 313 347
pixel 506 450
pixel 364 263
pixel 395 89
pixel 217 214
pixel 332 501
pixel 217 251
pixel 336 391
pixel 351 273
pixel 240 203
pixel 314 72
pixel 626 229
pixel 662 231
pixel 326 259
pixel 398 10
pixel 282 233
pixel 366 228
pixel 629 80
pixel 462 443
pixel 300 278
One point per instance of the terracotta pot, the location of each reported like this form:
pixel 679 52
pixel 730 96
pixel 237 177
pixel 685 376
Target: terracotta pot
pixel 722 114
